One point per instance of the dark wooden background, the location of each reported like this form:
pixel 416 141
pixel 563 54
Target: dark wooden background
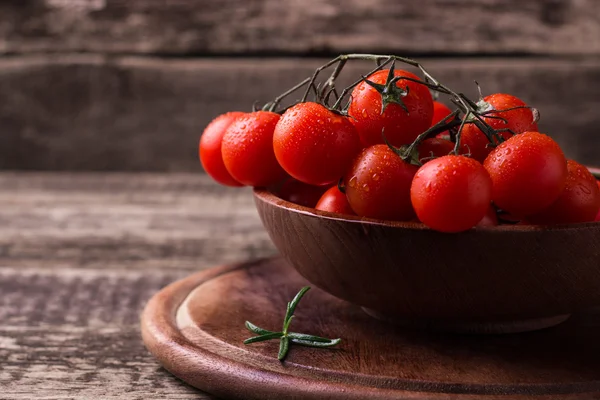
pixel 94 91
pixel 128 85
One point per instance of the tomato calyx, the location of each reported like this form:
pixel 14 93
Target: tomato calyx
pixel 410 153
pixel 407 153
pixel 390 93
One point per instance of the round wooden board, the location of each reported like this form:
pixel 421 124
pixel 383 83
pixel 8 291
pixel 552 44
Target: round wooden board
pixel 195 328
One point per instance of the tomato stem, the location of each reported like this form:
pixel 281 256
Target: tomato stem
pixel 473 111
pixel 435 129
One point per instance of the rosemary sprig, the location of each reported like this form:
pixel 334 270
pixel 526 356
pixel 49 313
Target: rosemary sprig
pixel 285 336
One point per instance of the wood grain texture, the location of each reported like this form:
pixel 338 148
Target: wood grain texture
pixel 95 113
pixel 81 254
pixel 74 334
pixel 263 26
pixel 486 280
pixel 196 328
pixel 126 222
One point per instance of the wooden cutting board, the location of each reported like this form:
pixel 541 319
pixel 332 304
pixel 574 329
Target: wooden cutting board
pixel 195 328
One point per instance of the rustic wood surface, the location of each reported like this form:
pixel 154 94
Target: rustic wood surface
pixel 300 27
pixel 195 327
pixel 81 254
pixel 91 112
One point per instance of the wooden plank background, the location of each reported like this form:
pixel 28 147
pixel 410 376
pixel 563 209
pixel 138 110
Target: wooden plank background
pixel 301 26
pixel 114 85
pixel 81 254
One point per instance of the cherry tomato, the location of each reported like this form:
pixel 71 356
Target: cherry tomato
pixel 334 201
pixel 489 219
pixel 400 127
pixel 520 120
pixel 434 147
pixel 300 193
pixel 209 148
pixel 315 145
pixel 247 149
pixel 578 202
pixel 378 184
pixel 528 172
pixel 598 216
pixel 451 193
pixel 440 111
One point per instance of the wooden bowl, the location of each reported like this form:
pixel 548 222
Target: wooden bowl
pixel 486 280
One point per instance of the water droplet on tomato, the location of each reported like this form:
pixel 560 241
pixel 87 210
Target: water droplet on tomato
pixel 454 172
pixel 585 189
pixel 507 151
pixel 375 177
pixel 366 187
pixel 364 113
pixel 352 182
pixel 428 187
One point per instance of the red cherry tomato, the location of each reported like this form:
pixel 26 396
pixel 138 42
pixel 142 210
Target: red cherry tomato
pixel 399 126
pixel 334 201
pixel 520 120
pixel 528 172
pixel 434 147
pixel 440 111
pixel 378 184
pixel 489 219
pixel 247 149
pixel 451 193
pixel 209 148
pixel 300 193
pixel 315 145
pixel 578 202
pixel 598 216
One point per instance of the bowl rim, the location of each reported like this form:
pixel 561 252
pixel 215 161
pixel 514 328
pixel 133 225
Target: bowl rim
pixel 267 196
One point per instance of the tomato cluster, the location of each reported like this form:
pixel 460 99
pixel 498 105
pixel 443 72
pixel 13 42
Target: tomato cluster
pixel 396 154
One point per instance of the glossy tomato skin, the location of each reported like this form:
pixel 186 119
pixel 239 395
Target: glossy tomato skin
pixel 440 111
pixel 434 147
pixel 334 201
pixel 598 216
pixel 209 148
pixel 578 202
pixel 451 193
pixel 399 127
pixel 247 149
pixel 301 193
pixel 475 143
pixel 528 171
pixel 378 184
pixel 315 145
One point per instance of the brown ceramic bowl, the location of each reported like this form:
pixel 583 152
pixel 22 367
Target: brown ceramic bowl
pixel 486 280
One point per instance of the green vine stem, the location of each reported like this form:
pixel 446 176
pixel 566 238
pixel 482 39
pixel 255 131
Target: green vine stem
pixel 474 112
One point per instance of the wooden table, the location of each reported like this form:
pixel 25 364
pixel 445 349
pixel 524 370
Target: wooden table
pixel 80 255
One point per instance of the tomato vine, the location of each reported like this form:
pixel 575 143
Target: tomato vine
pixel 468 111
